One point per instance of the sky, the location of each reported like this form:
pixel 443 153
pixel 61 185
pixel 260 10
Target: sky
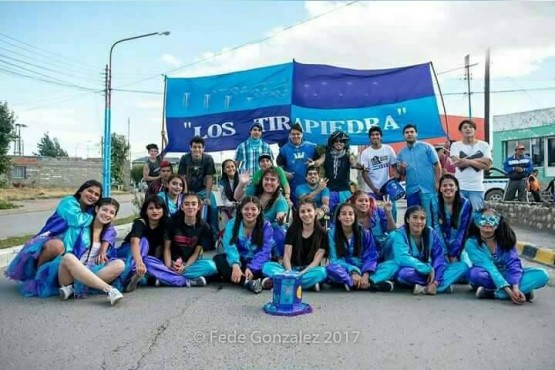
pixel 67 45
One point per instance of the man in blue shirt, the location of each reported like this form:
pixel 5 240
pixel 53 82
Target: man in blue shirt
pixel 419 162
pixel 315 189
pixel 293 157
pixel 518 166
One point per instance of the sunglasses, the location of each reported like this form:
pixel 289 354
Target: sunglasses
pixel 483 220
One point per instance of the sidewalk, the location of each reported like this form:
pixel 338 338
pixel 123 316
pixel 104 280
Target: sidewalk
pixel 536 245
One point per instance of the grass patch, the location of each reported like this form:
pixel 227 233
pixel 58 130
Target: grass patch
pixel 6 204
pixel 19 240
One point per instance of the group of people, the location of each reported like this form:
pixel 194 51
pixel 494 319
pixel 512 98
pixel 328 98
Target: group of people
pixel 335 237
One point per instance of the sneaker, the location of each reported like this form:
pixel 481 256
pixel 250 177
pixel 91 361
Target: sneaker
pixel 267 283
pixel 384 286
pixel 529 296
pixel 483 293
pixel 418 289
pixel 135 279
pixel 316 287
pixel 449 290
pixel 200 281
pixel 254 286
pixel 157 283
pixel 66 292
pixel 347 287
pixel 114 296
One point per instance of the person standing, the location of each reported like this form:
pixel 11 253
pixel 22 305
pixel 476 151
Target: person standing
pixel 250 150
pixel 293 157
pixel 518 166
pixel 471 157
pixel 380 160
pixel 151 168
pixel 418 161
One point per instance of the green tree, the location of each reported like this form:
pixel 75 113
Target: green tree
pixel 50 147
pixel 120 154
pixel 137 173
pixel 7 134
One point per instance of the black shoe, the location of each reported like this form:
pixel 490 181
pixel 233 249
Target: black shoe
pixel 529 296
pixel 483 293
pixel 200 281
pixel 384 286
pixel 254 286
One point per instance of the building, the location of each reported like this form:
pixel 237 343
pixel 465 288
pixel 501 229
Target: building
pixel 535 130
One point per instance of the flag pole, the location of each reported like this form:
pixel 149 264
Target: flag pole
pixel 441 98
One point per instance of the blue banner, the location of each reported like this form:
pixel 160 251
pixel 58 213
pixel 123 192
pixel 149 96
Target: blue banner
pixel 321 98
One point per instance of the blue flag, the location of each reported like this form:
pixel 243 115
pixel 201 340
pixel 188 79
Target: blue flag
pixel 320 98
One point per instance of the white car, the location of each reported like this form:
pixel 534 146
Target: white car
pixel 495 182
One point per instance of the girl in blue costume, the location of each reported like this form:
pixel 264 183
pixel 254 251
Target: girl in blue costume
pixel 453 219
pixel 354 257
pixel 417 250
pixel 306 244
pixel 248 242
pixel 379 221
pixel 189 235
pixel 274 205
pixel 497 271
pixel 142 248
pixel 93 266
pixel 62 232
pixel 173 195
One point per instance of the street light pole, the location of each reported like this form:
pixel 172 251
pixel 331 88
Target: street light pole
pixel 107 160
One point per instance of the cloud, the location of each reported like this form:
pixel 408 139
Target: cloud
pixel 171 60
pixel 373 35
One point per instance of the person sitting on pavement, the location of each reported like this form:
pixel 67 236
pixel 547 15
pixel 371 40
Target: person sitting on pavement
pixel 248 242
pixel 378 220
pixel 173 195
pixel 306 244
pixel 151 168
pixel 60 234
pixel 294 156
pixel 453 219
pixel 188 237
pixel 228 183
pixel 315 189
pixel 248 152
pixel 417 250
pixel 142 249
pixel 354 256
pixel 198 169
pixel 534 186
pixel 337 162
pixel 497 270
pixel 518 166
pixel 265 162
pixel 274 205
pixel 160 184
pixel 93 265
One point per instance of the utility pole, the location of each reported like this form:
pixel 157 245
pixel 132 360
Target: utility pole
pixel 129 139
pixel 487 130
pixel 467 78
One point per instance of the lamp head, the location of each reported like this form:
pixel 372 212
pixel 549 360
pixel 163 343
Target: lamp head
pixel 165 33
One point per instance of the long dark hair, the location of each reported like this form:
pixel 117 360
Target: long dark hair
pixel 457 202
pixel 425 233
pixel 228 191
pixel 341 240
pixel 296 229
pixel 88 184
pixel 504 234
pixel 180 215
pixel 158 203
pixel 260 188
pixel 257 233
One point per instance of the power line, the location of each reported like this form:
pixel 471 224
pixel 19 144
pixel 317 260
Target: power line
pixel 258 41
pixel 50 79
pixel 505 91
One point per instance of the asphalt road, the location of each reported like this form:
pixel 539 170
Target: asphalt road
pixel 32 215
pixel 208 328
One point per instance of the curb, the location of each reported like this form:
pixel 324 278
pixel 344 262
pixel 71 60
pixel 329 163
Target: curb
pixel 537 254
pixel 7 254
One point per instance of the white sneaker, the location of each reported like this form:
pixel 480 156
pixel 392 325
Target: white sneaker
pixel 114 296
pixel 132 285
pixel 66 292
pixel 418 289
pixel 317 287
pixel 347 287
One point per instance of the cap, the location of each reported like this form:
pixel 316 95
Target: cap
pixel 151 146
pixel 264 156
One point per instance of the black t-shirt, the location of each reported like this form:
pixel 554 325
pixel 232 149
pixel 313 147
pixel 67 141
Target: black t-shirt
pixel 338 172
pixel 185 238
pixel 154 236
pixel 196 171
pixel 291 239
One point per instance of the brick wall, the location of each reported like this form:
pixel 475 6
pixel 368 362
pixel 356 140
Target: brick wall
pixel 537 215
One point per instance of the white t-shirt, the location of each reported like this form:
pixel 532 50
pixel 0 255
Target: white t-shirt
pixel 378 162
pixel 470 178
pixel 90 258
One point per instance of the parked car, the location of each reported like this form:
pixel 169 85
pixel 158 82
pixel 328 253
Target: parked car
pixel 495 182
